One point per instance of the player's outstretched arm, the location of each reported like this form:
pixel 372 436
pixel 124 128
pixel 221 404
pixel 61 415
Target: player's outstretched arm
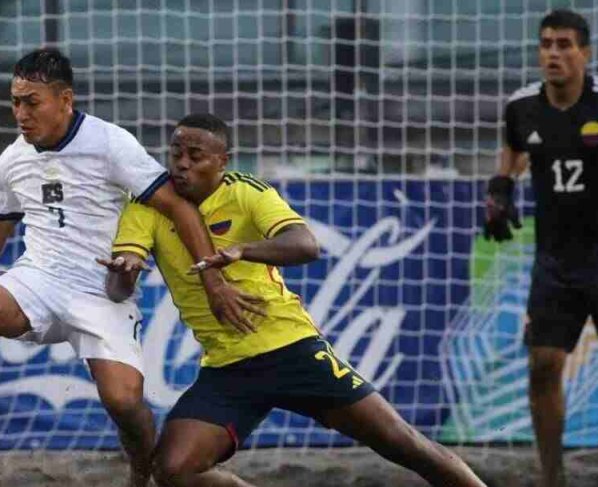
pixel 124 269
pixel 292 245
pixel 501 212
pixel 512 163
pixel 227 303
pixel 187 221
pixel 7 227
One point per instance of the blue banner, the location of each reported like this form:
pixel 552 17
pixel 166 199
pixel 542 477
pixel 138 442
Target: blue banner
pixel 405 290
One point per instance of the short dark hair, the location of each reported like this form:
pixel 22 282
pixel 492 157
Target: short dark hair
pixel 46 65
pixel 209 122
pixel 567 19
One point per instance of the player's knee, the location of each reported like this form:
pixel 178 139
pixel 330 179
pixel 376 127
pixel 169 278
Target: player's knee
pixel 123 400
pixel 545 375
pixel 545 370
pixel 169 469
pixel 13 322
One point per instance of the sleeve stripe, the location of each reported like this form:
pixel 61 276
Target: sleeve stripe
pixel 248 178
pixel 283 223
pixel 240 177
pixel 152 188
pixel 16 216
pixel 118 247
pixel 233 177
pixel 253 185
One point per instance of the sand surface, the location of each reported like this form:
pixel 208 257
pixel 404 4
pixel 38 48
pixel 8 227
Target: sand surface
pixel 354 467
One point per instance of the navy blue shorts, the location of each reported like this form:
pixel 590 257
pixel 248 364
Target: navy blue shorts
pixel 305 377
pixel 560 302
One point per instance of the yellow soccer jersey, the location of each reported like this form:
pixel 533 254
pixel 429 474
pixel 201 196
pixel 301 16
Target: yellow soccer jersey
pixel 242 209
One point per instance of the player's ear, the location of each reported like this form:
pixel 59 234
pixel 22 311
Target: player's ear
pixel 587 53
pixel 66 95
pixel 222 161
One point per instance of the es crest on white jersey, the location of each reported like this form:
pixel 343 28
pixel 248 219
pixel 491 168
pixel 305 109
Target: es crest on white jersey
pixel 51 171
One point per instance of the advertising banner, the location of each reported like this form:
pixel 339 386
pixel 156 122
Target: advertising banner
pixel 406 290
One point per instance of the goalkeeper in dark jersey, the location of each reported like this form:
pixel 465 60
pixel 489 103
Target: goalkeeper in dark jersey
pixel 283 361
pixel 553 125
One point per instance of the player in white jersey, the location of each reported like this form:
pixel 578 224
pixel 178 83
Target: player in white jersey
pixel 67 176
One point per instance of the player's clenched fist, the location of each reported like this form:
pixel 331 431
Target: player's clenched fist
pixel 501 212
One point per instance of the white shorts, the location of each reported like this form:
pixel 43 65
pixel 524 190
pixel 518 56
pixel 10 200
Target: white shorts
pixel 94 326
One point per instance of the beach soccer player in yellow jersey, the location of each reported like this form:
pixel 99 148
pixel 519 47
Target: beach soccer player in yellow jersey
pixel 281 360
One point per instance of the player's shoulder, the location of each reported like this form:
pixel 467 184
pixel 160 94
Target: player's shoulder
pixel 133 207
pixel 244 183
pixel 113 134
pixel 593 81
pixel 139 212
pixel 526 93
pixel 14 150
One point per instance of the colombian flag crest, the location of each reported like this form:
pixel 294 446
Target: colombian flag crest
pixel 589 134
pixel 220 228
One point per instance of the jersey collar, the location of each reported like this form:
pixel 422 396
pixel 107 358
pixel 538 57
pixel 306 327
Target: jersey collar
pixel 70 134
pixel 588 85
pixel 214 194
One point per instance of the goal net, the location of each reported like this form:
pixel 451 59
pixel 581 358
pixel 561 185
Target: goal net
pixel 379 120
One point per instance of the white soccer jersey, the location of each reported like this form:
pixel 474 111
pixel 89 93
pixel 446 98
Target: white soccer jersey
pixel 71 197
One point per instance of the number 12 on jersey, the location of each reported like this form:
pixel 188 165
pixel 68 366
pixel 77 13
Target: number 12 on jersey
pixel 566 176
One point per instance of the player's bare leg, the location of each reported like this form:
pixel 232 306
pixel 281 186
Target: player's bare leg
pixel 186 454
pixel 375 423
pixel 120 387
pixel 13 322
pixel 547 404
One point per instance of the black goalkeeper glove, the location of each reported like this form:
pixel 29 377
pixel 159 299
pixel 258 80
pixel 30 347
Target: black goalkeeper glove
pixel 500 209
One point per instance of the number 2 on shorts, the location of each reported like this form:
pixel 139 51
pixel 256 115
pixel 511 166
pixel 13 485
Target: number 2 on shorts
pixel 337 371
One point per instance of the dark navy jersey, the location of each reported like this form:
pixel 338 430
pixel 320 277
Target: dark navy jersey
pixel 563 152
